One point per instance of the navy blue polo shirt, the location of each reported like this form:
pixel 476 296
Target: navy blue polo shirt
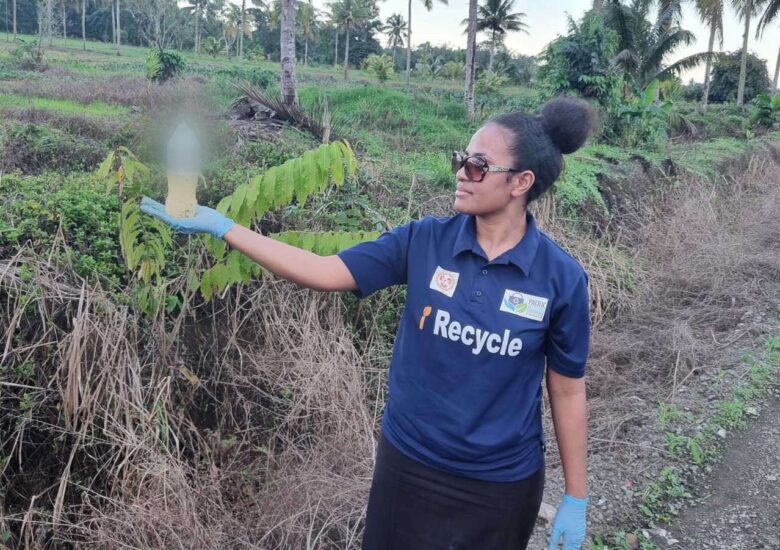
pixel 465 389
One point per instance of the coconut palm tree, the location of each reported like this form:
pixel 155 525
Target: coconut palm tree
pixel 247 21
pixel 118 27
pixel 394 28
pixel 770 13
pixel 339 15
pixel 644 46
pixel 48 22
pixel 198 9
pixel 307 19
pixel 333 23
pixel 83 25
pixel 496 18
pixel 670 12
pixel 64 10
pixel 711 14
pixel 242 26
pixel 745 9
pixel 287 38
pixel 471 58
pixel 235 26
pixel 428 6
pixel 349 14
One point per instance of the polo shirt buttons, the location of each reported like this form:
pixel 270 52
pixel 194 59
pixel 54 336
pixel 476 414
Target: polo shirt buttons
pixel 479 293
pixel 484 271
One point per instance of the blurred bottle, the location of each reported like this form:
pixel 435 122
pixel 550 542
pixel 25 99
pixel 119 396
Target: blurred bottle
pixel 182 163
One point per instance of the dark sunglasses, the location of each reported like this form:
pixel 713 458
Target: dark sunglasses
pixel 476 167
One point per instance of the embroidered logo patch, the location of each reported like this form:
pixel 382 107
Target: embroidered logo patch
pixel 524 305
pixel 444 281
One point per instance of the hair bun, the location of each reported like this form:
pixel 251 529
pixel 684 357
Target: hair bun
pixel 568 121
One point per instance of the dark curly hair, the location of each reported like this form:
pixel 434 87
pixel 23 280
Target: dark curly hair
pixel 540 141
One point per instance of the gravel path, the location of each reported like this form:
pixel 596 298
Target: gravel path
pixel 740 502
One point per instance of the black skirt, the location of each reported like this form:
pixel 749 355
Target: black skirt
pixel 413 506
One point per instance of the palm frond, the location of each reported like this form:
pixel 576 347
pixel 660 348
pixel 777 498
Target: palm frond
pixel 739 7
pixel 315 119
pixel 665 17
pixel 668 42
pixel 685 64
pixel 626 59
pixel 769 15
pixel 616 17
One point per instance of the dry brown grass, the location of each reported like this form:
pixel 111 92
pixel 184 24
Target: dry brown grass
pixel 84 126
pixel 710 258
pixel 614 277
pixel 270 446
pixel 132 91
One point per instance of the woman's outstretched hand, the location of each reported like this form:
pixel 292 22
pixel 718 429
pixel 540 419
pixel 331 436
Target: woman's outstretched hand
pixel 205 220
pixel 569 523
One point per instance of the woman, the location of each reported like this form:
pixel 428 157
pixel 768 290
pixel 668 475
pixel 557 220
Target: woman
pixel 490 300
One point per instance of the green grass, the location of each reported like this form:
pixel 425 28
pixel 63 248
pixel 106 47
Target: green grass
pixel 93 46
pixel 402 121
pixel 97 108
pixel 100 58
pixel 661 498
pixel 707 157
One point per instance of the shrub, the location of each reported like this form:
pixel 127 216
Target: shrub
pixel 646 121
pixel 717 120
pixel 380 65
pixel 33 149
pixel 213 46
pixel 490 83
pixel 27 56
pixel 581 61
pixel 766 110
pixel 163 65
pixel 37 207
pixel 255 52
pixel 453 70
pixel 725 77
pixel 694 91
pixel 256 76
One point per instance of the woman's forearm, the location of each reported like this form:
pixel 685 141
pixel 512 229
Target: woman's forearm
pixel 294 264
pixel 570 418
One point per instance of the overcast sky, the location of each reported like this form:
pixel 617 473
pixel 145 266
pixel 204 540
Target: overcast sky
pixel 548 19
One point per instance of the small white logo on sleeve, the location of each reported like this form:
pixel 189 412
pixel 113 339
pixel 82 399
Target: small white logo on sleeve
pixel 524 305
pixel 444 281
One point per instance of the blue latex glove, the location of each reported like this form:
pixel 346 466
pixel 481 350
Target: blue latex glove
pixel 569 523
pixel 205 220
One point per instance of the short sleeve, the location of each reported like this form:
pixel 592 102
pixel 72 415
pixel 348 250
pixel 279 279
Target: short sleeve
pixel 568 337
pixel 379 263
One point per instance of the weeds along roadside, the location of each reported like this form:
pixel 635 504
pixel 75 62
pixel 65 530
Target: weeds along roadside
pixel 275 421
pixel 696 437
pixel 711 268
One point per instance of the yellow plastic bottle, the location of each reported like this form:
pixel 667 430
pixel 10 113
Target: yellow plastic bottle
pixel 181 201
pixel 183 171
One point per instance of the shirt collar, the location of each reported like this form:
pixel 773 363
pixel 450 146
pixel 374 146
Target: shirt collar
pixel 522 254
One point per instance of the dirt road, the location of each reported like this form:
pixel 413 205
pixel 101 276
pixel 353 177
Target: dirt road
pixel 740 503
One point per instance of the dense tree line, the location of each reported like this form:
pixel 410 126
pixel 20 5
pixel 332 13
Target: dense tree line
pixel 611 53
